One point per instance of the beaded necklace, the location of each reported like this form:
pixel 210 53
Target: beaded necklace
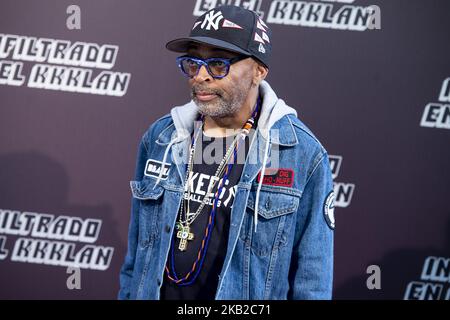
pixel 183 225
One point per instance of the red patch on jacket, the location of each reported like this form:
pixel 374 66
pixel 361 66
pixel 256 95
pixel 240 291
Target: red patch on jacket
pixel 277 177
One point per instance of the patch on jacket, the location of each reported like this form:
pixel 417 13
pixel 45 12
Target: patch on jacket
pixel 277 177
pixel 154 167
pixel 328 210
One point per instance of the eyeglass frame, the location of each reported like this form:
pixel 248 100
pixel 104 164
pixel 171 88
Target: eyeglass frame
pixel 204 62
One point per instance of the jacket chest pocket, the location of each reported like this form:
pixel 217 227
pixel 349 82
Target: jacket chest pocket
pixel 148 203
pixel 276 220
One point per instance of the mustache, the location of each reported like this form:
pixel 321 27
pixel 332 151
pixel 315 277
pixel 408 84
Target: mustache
pixel 203 89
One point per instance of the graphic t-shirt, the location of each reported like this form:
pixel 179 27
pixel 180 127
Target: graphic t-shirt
pixel 209 152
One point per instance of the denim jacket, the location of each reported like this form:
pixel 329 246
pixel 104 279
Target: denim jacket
pixel 281 230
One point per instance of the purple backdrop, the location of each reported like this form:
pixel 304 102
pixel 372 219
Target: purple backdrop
pixel 378 100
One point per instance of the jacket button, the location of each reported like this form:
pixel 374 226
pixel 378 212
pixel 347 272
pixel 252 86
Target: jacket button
pixel 159 282
pixel 167 228
pixel 268 204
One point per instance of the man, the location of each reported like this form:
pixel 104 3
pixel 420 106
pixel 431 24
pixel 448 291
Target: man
pixel 233 194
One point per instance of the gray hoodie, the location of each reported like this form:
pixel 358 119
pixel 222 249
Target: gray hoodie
pixel 273 109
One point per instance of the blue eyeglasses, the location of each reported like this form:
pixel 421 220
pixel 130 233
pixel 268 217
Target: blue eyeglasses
pixel 218 68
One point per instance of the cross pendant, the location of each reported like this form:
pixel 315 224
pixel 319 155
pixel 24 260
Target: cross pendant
pixel 184 235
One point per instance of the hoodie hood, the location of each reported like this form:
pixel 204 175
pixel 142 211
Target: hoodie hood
pixel 272 110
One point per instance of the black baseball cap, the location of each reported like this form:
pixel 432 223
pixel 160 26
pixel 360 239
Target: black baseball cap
pixel 231 28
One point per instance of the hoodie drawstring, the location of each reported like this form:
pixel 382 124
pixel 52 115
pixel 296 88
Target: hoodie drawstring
pixel 261 177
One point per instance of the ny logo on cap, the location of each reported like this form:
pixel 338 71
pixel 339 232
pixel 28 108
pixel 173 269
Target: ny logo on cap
pixel 212 20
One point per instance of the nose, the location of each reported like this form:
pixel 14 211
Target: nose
pixel 203 74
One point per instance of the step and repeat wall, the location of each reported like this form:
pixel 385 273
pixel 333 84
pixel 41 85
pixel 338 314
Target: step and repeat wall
pixel 81 81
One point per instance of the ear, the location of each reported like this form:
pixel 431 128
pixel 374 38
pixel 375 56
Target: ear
pixel 260 73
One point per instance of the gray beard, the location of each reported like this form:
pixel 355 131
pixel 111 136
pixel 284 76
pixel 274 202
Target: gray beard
pixel 222 107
